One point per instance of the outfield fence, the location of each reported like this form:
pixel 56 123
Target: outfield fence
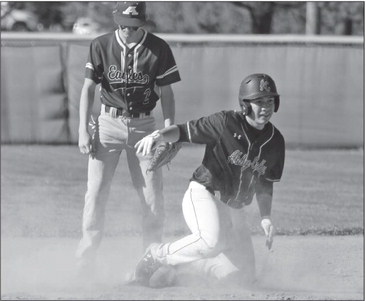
pixel 320 80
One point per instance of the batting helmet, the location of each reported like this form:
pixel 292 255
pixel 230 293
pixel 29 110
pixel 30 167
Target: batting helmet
pixel 256 86
pixel 130 13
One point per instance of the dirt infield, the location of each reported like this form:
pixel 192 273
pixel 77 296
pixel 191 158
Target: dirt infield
pixel 42 191
pixel 299 268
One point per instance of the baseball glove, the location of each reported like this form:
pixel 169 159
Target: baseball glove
pixel 163 154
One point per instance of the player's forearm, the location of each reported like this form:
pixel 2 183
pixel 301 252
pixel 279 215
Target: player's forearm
pixel 167 105
pixel 264 192
pixel 86 103
pixel 264 205
pixel 169 134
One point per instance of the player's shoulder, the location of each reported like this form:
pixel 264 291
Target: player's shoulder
pixel 227 113
pixel 221 114
pixel 226 117
pixel 277 133
pixel 103 39
pixel 234 115
pixel 153 39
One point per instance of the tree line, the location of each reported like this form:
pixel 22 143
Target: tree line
pixel 276 17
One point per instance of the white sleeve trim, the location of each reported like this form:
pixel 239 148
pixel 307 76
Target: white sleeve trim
pixel 171 70
pixel 189 132
pixel 89 65
pixel 273 180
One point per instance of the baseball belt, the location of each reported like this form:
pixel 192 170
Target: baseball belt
pixel 117 112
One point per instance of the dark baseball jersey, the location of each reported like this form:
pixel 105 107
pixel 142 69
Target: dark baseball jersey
pixel 128 75
pixel 236 155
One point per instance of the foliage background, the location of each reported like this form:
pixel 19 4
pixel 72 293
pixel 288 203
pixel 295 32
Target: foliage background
pixel 276 17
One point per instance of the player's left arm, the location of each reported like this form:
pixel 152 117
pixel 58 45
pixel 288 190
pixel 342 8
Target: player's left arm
pixel 264 185
pixel 167 104
pixel 167 74
pixel 264 193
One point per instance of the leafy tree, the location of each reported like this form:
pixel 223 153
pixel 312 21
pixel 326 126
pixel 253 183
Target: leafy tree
pixel 246 17
pixel 261 14
pixel 343 18
pixel 289 17
pixel 49 13
pixel 71 11
pixel 101 13
pixel 197 17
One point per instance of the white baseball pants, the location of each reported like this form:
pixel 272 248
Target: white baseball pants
pixel 220 242
pixel 112 135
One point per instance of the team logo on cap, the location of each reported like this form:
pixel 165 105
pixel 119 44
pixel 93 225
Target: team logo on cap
pixel 131 10
pixel 264 86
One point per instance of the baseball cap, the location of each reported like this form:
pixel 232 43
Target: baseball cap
pixel 130 13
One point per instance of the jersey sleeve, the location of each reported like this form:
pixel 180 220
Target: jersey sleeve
pixel 274 172
pixel 94 66
pixel 206 130
pixel 167 68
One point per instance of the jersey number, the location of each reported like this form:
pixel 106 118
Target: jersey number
pixel 147 94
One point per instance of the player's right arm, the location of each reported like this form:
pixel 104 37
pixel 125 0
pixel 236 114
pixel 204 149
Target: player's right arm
pixel 86 103
pixel 168 134
pixel 204 130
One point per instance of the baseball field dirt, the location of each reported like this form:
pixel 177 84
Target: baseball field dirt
pixel 299 268
pixel 318 211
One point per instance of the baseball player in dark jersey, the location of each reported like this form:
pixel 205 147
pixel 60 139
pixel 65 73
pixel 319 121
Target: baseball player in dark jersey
pixel 244 156
pixel 135 69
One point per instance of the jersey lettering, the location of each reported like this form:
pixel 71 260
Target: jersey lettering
pixel 132 77
pixel 240 159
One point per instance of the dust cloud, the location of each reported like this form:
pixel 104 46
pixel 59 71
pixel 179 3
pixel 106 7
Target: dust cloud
pixel 298 268
pixel 47 267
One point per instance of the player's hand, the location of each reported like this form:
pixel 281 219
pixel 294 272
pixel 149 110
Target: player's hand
pixel 85 145
pixel 268 231
pixel 145 145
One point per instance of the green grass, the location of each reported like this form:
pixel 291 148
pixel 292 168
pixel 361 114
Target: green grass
pixel 42 191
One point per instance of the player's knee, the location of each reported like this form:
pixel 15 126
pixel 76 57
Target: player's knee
pixel 208 245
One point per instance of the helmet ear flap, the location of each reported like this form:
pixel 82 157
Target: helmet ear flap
pixel 277 104
pixel 246 108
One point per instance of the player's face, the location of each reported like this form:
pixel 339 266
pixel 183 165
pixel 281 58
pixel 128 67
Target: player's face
pixel 262 110
pixel 128 31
